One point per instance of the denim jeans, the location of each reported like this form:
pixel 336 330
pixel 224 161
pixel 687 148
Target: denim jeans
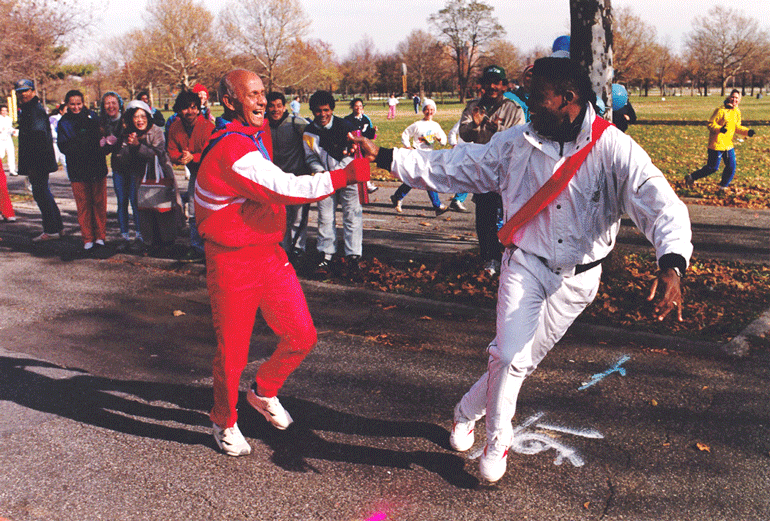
pixel 405 189
pixel 196 241
pixel 125 191
pixel 714 158
pixel 352 222
pixel 41 192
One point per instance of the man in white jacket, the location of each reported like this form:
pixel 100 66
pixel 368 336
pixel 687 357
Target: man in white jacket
pixel 552 265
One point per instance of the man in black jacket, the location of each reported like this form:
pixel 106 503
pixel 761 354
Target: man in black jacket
pixel 37 158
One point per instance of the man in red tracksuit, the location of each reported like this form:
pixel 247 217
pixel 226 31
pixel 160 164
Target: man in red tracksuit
pixel 239 199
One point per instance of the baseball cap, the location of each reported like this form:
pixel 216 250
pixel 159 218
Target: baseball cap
pixel 23 85
pixel 493 74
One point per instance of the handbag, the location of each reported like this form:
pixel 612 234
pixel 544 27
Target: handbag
pixel 155 192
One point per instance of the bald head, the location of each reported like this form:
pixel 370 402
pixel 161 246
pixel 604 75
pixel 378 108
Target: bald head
pixel 243 95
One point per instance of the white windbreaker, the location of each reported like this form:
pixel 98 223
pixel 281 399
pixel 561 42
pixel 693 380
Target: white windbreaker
pixel 581 224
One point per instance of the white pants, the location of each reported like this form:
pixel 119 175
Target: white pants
pixel 6 150
pixel 535 307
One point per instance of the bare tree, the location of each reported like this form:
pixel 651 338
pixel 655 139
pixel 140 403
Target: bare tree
pixel 36 35
pixel 466 27
pixel 179 42
pixel 359 70
pixel 313 66
pixel 265 30
pixel 423 56
pixel 724 42
pixel 591 44
pixel 633 46
pixel 506 55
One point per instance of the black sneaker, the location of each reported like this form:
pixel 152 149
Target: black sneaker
pixel 192 255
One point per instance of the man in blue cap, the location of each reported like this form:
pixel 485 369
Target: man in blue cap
pixel 37 158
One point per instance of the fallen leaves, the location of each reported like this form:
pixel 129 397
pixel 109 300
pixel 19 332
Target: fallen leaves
pixel 703 447
pixel 720 298
pixel 179 313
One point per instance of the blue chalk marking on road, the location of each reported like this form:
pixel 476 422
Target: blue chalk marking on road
pixel 600 376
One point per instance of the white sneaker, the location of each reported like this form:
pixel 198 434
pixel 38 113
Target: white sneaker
pixel 371 187
pixel 230 440
pixel 492 267
pixel 99 242
pixel 46 237
pixel 270 408
pixel 396 203
pixel 457 205
pixel 88 245
pixel 461 438
pixel 493 461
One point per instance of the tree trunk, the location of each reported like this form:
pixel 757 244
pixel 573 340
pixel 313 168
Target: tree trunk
pixel 591 45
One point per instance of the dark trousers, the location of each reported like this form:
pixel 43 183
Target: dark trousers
pixel 489 208
pixel 49 210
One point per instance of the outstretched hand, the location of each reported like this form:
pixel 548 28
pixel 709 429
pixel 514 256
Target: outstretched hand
pixel 363 145
pixel 672 294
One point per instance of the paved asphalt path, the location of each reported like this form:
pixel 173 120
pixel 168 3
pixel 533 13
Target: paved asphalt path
pixel 104 391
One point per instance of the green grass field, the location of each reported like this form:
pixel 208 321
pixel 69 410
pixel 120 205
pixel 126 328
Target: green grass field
pixel 673 132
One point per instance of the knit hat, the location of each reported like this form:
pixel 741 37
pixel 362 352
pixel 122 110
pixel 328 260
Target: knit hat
pixel 560 48
pixel 200 88
pixel 428 103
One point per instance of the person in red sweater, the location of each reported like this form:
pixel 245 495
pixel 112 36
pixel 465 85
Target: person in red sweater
pixel 239 204
pixel 187 137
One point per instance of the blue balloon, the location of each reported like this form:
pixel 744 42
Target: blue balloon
pixel 619 96
pixel 601 108
pixel 561 44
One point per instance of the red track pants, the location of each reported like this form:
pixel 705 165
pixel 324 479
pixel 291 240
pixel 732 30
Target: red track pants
pixel 240 281
pixel 91 202
pixel 5 200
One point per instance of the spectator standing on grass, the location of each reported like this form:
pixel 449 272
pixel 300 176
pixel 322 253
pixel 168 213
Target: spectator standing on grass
pixel 37 159
pixel 482 119
pixel 7 132
pixel 725 122
pixel 553 256
pixel 623 114
pixel 295 106
pixel 289 155
pixel 416 103
pixel 326 148
pixel 187 137
pixel 240 197
pixel 79 140
pixel 422 135
pixel 363 124
pixel 392 102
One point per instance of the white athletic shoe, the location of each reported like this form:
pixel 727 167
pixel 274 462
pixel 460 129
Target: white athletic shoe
pixel 43 237
pixel 230 440
pixel 461 438
pixel 492 267
pixel 270 408
pixel 454 204
pixel 493 461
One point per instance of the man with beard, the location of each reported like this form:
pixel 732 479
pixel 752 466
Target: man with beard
pixel 187 137
pixel 566 178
